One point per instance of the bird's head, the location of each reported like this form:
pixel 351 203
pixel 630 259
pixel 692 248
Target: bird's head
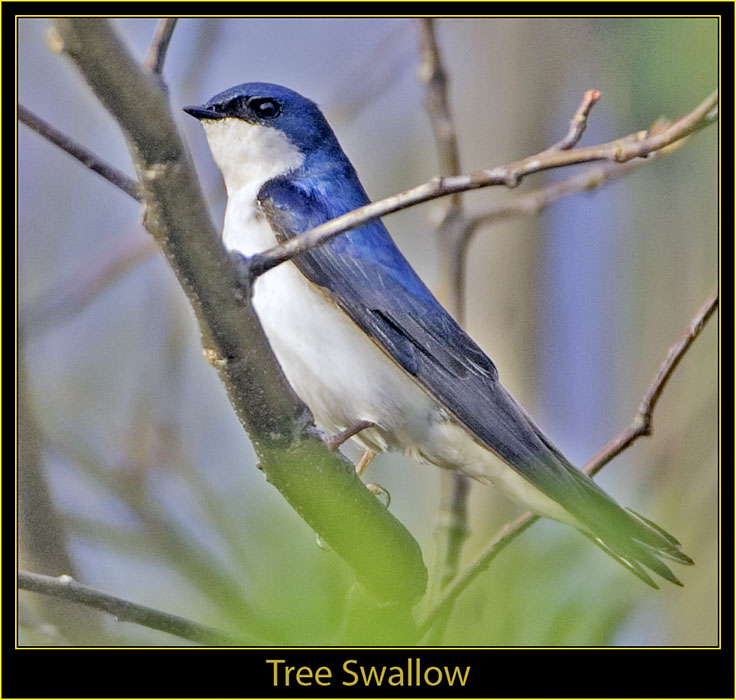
pixel 258 131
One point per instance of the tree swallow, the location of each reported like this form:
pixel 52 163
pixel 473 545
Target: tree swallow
pixel 364 342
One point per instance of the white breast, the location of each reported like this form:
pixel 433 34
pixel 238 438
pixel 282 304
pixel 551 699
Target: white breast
pixel 333 366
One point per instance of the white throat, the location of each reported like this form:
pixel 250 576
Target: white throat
pixel 249 155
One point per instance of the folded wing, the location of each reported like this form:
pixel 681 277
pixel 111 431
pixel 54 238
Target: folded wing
pixel 368 278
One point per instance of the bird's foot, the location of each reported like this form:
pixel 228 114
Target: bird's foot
pixel 338 439
pixel 380 493
pixel 362 464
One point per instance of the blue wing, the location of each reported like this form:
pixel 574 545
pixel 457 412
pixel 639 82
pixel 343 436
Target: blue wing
pixel 369 279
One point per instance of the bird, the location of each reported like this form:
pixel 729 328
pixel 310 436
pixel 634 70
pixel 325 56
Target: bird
pixel 364 342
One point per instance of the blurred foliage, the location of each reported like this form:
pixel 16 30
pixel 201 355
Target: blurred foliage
pixel 154 481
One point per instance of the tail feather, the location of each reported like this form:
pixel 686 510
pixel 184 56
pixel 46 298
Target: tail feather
pixel 670 538
pixel 636 542
pixel 650 560
pixel 673 552
pixel 632 566
pixel 630 538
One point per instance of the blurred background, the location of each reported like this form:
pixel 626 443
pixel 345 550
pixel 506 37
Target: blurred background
pixel 137 478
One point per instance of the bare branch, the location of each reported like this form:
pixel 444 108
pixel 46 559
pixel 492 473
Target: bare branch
pixel 320 485
pixel 536 200
pixel 432 74
pixel 638 145
pixel 66 588
pixel 451 529
pixel 578 122
pixel 452 220
pixel 157 53
pixel 590 179
pixel 83 155
pixel 642 422
pixel 640 426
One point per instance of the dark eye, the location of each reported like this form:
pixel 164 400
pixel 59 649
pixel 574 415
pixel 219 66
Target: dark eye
pixel 264 107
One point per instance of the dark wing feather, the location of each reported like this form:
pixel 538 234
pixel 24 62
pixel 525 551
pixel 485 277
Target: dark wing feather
pixel 368 278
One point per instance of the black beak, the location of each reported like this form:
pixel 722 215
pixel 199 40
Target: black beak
pixel 202 112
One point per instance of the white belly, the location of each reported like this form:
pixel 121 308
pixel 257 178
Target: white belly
pixel 345 378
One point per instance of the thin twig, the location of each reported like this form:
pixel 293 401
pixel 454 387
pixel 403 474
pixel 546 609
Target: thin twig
pixel 66 588
pixel 590 179
pixel 578 122
pixel 464 233
pixel 434 77
pixel 82 154
pixel 638 145
pixel 642 422
pixel 157 53
pixel 641 425
pixel 534 201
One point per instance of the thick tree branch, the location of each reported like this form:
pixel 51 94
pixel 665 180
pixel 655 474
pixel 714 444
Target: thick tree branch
pixel 66 588
pixel 176 214
pixel 641 425
pixel 319 484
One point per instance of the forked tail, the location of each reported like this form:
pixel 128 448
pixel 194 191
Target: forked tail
pixel 639 543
